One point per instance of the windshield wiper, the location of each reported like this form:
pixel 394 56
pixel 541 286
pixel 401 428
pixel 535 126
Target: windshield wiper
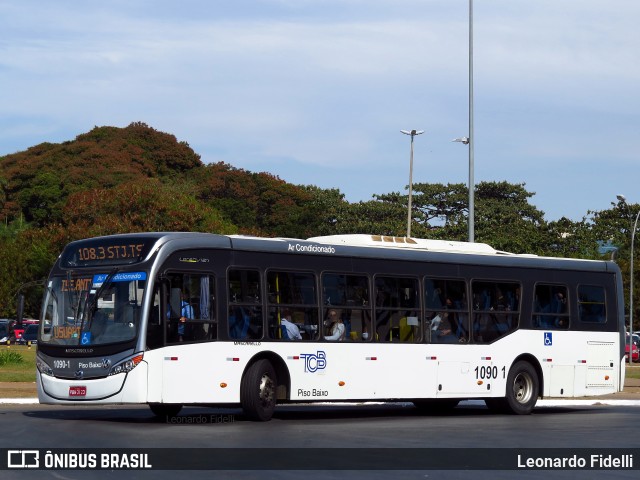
pixel 90 305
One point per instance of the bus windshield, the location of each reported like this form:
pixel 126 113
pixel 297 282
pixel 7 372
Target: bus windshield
pixel 92 309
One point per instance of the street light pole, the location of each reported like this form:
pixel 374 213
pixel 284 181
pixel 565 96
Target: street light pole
pixel 412 133
pixel 470 139
pixel 633 237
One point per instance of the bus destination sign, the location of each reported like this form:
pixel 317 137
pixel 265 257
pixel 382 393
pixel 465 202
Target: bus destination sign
pixel 106 251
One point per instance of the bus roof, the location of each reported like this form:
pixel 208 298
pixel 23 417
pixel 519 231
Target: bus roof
pixel 384 241
pixel 369 246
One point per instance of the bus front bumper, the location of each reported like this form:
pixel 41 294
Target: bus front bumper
pixel 121 388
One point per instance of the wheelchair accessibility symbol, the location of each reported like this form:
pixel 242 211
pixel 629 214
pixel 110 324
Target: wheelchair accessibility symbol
pixel 85 339
pixel 548 339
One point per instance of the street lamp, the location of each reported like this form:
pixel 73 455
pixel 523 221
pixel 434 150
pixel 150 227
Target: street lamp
pixel 633 236
pixel 413 133
pixel 470 139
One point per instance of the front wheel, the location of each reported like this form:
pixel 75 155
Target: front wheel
pixel 258 391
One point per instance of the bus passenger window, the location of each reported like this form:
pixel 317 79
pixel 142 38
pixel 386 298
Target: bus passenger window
pixel 591 304
pixel 245 305
pixel 447 311
pixel 293 295
pixel 550 307
pixel 397 309
pixel 496 310
pixel 350 295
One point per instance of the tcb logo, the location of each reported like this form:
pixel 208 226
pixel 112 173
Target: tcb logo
pixel 314 361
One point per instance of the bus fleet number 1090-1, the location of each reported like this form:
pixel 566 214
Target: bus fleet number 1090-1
pixel 489 372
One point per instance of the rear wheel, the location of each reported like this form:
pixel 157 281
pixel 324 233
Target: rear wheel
pixel 258 391
pixel 522 390
pixel 165 410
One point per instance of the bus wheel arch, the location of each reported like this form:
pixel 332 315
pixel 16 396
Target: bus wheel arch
pixel 265 380
pixel 524 385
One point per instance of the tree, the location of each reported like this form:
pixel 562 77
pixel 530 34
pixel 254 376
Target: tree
pixel 324 210
pixel 615 227
pixel 503 216
pixel 140 206
pixel 373 217
pixel 258 203
pixel 505 219
pixel 37 182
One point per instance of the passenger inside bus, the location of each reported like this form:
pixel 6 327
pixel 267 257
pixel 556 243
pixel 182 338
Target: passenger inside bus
pixel 239 322
pixel 441 329
pixel 290 330
pixel 336 327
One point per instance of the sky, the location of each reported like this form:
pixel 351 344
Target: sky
pixel 317 91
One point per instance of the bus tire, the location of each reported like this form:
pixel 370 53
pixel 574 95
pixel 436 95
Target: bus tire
pixel 165 410
pixel 523 387
pixel 258 391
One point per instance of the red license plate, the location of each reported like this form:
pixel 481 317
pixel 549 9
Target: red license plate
pixel 77 391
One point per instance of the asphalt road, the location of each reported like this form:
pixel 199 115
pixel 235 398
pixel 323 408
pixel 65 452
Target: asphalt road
pixel 329 430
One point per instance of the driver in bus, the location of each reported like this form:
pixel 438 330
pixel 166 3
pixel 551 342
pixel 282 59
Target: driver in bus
pixel 186 312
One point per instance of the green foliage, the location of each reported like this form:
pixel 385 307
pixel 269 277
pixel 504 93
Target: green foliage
pixel 258 203
pixel 8 357
pixel 24 370
pixel 40 179
pixel 140 206
pixel 503 216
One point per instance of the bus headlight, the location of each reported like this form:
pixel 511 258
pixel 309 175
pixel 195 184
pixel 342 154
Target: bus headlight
pixel 126 365
pixel 43 367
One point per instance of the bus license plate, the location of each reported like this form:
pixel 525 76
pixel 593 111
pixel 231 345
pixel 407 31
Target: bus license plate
pixel 77 391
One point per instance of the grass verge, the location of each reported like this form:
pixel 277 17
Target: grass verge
pixel 18 371
pixel 632 371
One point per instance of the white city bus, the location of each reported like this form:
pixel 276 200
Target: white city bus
pixel 173 319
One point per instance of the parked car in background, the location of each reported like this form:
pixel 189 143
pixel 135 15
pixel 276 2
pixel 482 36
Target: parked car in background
pixel 18 330
pixel 635 350
pixel 4 330
pixel 10 331
pixel 30 335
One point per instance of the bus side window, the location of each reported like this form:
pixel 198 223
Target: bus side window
pixel 397 309
pixel 189 312
pixel 348 294
pixel 591 304
pixel 245 305
pixel 550 307
pixel 292 294
pixel 447 311
pixel 496 309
